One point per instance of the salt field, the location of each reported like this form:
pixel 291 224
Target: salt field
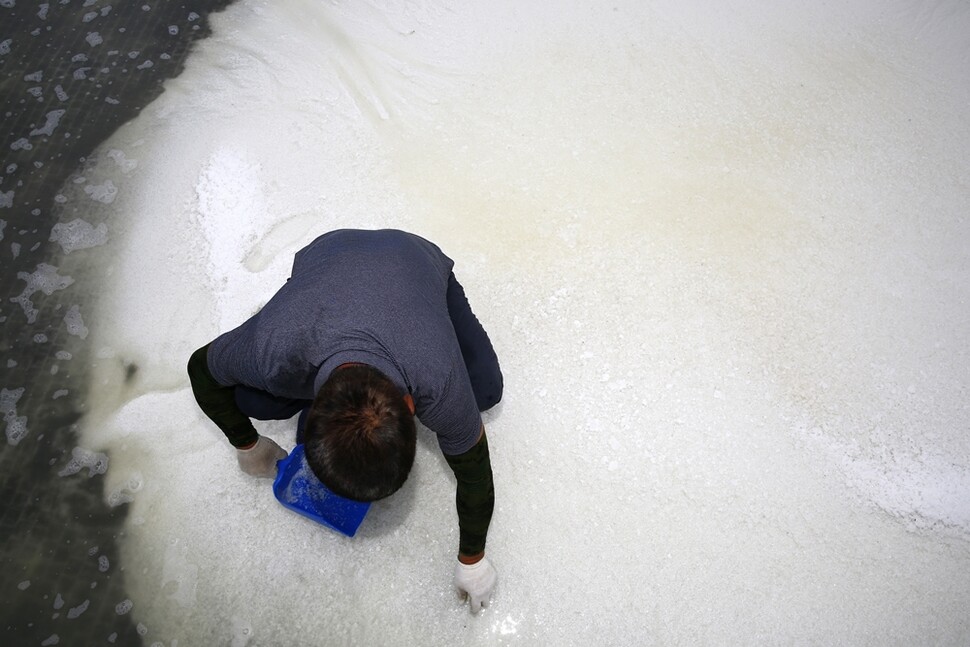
pixel 721 251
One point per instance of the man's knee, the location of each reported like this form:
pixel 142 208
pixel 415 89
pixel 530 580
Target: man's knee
pixel 488 388
pixel 264 406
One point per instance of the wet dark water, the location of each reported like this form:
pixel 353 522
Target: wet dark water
pixel 71 73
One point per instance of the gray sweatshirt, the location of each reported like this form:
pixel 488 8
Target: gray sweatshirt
pixel 374 297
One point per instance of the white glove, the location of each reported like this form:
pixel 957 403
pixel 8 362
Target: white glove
pixel 260 459
pixel 476 581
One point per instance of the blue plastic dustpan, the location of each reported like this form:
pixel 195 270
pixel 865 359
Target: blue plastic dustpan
pixel 299 489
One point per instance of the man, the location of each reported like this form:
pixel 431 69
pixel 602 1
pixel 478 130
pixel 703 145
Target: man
pixel 370 329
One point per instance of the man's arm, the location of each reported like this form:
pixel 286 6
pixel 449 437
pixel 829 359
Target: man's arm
pixel 257 455
pixel 474 498
pixel 219 403
pixel 474 574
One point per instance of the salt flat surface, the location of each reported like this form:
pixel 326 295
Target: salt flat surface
pixel 722 254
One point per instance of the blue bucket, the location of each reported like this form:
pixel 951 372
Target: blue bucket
pixel 299 489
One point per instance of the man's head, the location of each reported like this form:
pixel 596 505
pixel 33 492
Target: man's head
pixel 360 436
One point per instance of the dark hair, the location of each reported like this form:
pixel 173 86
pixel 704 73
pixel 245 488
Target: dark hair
pixel 360 436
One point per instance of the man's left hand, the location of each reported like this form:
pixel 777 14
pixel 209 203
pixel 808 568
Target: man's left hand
pixel 476 581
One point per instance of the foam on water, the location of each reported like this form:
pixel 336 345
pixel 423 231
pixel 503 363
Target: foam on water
pixel 721 254
pixel 16 426
pixel 74 322
pixel 46 279
pixel 94 462
pixel 78 234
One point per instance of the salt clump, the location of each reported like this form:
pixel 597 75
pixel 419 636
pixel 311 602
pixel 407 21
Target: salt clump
pixel 119 158
pixel 125 492
pixel 78 234
pixel 105 193
pixel 44 279
pixel 74 612
pixel 95 462
pixel 16 425
pixel 53 119
pixel 241 632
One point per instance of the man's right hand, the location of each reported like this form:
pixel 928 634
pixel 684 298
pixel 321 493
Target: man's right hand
pixel 260 459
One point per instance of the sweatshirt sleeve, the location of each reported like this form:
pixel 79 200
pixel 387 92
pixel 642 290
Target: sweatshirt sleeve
pixel 218 402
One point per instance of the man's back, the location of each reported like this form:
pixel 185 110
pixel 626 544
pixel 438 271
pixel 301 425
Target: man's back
pixel 372 297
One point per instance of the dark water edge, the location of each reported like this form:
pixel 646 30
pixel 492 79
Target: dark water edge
pixel 71 73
